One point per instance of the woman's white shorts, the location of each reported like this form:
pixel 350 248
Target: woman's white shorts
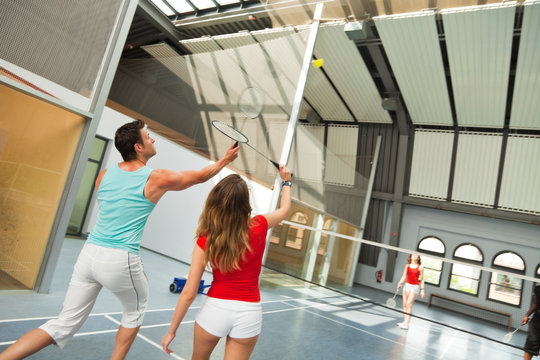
pixel 237 319
pixel 411 288
pixel 117 270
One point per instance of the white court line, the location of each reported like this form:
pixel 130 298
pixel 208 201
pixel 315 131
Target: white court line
pixel 139 335
pixel 369 333
pixel 107 315
pixel 155 310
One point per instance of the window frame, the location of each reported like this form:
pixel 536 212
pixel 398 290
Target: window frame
pixel 507 269
pixel 434 253
pixel 465 260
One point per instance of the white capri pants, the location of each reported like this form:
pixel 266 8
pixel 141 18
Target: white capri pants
pixel 117 270
pixel 237 319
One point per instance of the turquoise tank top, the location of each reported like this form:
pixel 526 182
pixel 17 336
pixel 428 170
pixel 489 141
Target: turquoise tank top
pixel 123 209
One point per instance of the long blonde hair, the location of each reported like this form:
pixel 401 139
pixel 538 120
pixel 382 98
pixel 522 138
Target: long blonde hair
pixel 225 223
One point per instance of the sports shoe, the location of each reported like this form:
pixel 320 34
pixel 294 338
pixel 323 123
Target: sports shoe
pixel 400 324
pixel 403 326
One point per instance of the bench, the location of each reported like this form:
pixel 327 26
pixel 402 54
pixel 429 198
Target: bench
pixel 470 309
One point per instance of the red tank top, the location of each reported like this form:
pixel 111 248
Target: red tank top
pixel 243 284
pixel 413 274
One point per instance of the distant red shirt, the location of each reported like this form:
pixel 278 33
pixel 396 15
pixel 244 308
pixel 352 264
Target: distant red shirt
pixel 413 275
pixel 243 284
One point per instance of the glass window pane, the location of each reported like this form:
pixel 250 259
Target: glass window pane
pixel 83 195
pixel 98 146
pixel 295 238
pixel 32 182
pixel 276 234
pixel 470 252
pixel 180 6
pixel 203 4
pixel 432 276
pixel 463 284
pixel 432 263
pixel 467 271
pixel 227 2
pixel 505 288
pixel 166 10
pixel 432 244
pixel 510 260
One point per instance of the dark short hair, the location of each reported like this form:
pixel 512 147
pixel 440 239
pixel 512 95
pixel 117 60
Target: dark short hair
pixel 126 137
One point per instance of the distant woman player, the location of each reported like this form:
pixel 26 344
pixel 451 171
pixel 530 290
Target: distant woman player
pixel 413 277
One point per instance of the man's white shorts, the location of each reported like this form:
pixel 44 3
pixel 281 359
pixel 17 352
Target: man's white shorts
pixel 117 270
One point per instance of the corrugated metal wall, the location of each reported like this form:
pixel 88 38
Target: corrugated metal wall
pixel 374 231
pixel 308 144
pixel 431 162
pixel 525 104
pixel 341 150
pixel 344 65
pixel 476 168
pixel 479 45
pixel 520 187
pixel 411 42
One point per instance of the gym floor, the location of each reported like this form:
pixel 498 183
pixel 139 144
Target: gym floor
pixel 299 322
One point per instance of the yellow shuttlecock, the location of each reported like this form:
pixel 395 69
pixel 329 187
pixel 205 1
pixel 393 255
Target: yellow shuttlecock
pixel 318 63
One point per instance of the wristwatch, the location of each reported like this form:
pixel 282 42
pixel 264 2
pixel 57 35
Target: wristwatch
pixel 286 183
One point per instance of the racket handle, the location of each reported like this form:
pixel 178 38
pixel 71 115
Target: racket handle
pixel 236 144
pixel 277 166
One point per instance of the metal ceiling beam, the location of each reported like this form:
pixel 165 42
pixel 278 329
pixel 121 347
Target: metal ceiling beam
pixel 390 87
pixel 151 14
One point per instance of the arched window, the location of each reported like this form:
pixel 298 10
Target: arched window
pixel 466 278
pixel 432 267
pixel 507 288
pixel 295 235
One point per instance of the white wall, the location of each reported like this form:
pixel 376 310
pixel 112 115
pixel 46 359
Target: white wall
pixel 171 227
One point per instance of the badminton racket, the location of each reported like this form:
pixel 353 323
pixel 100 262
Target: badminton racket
pixel 508 336
pixel 237 136
pixel 251 102
pixel 391 302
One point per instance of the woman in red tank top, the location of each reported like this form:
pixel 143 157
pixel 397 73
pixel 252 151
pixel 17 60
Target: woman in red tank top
pixel 233 244
pixel 413 278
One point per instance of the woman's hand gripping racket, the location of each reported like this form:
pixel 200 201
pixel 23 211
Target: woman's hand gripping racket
pixel 391 302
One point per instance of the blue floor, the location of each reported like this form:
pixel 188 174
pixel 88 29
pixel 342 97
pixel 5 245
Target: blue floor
pixel 299 322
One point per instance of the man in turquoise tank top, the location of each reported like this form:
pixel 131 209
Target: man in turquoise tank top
pixel 127 193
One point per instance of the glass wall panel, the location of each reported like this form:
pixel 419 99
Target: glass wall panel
pixel 86 188
pixel 37 145
pixel 81 203
pixel 184 96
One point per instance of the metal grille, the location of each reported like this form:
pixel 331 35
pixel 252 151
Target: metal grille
pixel 63 42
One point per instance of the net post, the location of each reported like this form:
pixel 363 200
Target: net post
pixel 293 119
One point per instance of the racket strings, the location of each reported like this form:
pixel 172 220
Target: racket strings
pixel 230 132
pixel 251 102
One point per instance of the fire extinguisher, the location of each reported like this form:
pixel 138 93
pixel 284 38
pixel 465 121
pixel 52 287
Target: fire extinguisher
pixel 378 275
